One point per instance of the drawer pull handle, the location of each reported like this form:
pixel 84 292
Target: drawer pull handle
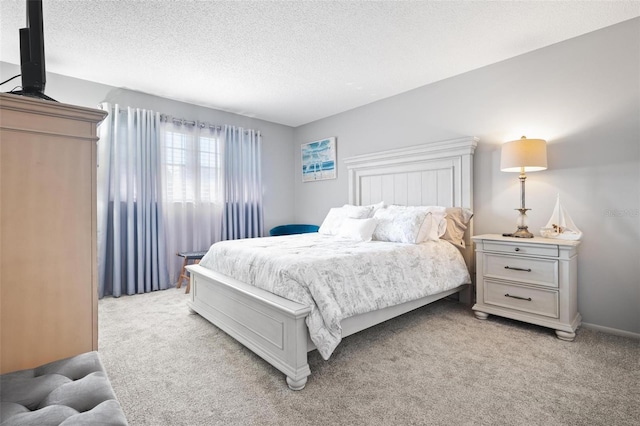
pixel 518 297
pixel 517 269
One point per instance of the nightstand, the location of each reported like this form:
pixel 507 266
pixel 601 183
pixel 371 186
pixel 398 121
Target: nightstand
pixel 532 280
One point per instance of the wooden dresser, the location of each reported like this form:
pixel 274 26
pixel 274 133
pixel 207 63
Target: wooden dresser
pixel 532 280
pixel 48 272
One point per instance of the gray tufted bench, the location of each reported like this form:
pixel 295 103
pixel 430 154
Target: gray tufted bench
pixel 71 391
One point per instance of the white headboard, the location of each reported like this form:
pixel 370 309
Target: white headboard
pixel 432 174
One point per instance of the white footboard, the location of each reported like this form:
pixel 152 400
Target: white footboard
pixel 272 327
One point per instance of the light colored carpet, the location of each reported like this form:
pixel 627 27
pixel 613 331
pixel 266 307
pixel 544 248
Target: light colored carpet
pixel 434 366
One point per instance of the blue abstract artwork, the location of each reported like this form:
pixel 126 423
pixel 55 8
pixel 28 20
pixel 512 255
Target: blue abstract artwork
pixel 319 160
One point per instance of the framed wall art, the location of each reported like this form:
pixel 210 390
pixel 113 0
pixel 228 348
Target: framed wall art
pixel 319 160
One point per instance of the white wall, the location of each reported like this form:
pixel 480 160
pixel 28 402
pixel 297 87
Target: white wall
pixel 277 155
pixel 583 97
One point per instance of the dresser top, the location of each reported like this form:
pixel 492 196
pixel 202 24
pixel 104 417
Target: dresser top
pixel 534 240
pixel 29 105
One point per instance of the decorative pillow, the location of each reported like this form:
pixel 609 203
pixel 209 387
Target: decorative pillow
pixel 357 229
pixel 333 221
pixel 399 225
pixel 457 220
pixel 434 225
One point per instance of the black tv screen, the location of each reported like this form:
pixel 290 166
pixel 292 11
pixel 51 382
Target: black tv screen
pixel 32 64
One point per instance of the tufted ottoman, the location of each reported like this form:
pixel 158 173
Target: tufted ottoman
pixel 71 391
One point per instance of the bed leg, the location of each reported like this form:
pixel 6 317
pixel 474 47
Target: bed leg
pixel 296 385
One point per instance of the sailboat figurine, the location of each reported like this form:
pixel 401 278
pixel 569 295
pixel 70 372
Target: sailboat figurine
pixel 560 225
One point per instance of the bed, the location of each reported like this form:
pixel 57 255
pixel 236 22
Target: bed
pixel 275 327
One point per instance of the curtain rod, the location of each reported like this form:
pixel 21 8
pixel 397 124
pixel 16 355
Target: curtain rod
pixel 184 122
pixel 181 121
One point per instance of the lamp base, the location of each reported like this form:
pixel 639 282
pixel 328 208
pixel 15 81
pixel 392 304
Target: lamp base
pixel 521 223
pixel 522 232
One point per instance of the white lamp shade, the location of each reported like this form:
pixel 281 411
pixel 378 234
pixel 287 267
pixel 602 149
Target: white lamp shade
pixel 528 155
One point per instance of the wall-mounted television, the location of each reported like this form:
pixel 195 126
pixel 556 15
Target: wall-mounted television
pixel 32 62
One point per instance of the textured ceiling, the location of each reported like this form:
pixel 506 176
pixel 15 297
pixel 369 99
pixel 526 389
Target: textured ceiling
pixel 293 62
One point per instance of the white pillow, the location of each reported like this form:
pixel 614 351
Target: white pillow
pixel 358 212
pixel 357 229
pixel 399 225
pixel 375 208
pixel 429 231
pixel 434 224
pixel 333 221
pixel 438 223
pixel 442 225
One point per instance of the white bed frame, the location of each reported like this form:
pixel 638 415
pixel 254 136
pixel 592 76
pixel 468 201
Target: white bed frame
pixel 438 173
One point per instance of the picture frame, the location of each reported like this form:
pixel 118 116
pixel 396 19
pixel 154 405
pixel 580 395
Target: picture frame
pixel 319 160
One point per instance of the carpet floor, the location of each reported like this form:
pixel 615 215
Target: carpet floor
pixel 437 365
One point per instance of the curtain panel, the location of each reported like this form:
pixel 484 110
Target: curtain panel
pixel 192 183
pixel 131 244
pixel 243 216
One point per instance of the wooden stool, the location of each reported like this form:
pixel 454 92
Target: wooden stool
pixel 193 256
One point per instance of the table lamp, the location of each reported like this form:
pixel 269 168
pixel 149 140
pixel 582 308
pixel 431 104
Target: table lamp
pixel 523 155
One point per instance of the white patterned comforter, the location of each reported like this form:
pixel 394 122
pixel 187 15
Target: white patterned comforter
pixel 339 278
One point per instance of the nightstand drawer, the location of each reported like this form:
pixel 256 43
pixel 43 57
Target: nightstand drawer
pixel 528 270
pixel 526 299
pixel 521 248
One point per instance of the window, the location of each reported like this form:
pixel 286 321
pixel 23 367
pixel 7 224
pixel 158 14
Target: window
pixel 192 166
pixel 210 161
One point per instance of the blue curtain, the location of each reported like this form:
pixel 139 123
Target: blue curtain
pixel 242 215
pixel 131 244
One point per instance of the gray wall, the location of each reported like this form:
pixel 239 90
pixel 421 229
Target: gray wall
pixel 277 155
pixel 583 97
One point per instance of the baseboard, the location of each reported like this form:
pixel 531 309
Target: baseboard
pixel 610 330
